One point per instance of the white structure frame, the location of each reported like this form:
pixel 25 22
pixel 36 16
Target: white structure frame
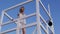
pixel 37 14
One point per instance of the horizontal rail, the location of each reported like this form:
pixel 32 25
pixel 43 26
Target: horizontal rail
pixel 45 9
pixel 44 28
pixel 17 5
pixel 43 19
pixel 8 16
pixel 29 25
pixel 48 13
pixel 27 17
pixel 17 18
pixel 45 22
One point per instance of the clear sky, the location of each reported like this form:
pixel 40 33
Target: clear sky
pixel 30 8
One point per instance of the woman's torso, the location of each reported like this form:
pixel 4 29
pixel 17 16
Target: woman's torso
pixel 21 20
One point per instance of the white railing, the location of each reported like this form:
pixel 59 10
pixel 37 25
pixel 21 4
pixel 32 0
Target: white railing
pixel 37 23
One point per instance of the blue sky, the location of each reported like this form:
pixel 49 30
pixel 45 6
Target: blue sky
pixel 30 8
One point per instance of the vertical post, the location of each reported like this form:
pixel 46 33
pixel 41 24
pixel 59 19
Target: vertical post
pixel 38 18
pixel 49 8
pixel 49 11
pixel 47 28
pixel 1 20
pixel 52 27
pixel 0 25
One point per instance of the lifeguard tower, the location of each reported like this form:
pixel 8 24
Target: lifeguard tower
pixel 39 26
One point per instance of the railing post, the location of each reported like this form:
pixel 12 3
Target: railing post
pixel 38 18
pixel 52 27
pixel 1 20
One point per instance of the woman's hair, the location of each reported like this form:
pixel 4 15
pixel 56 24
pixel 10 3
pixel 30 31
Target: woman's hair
pixel 21 9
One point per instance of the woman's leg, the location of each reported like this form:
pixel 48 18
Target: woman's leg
pixel 23 30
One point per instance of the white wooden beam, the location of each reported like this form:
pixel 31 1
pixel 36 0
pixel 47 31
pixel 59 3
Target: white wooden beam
pixel 45 9
pixel 42 28
pixel 1 20
pixel 16 5
pixel 52 27
pixel 45 22
pixel 28 25
pixel 27 16
pixel 38 18
pixel 8 16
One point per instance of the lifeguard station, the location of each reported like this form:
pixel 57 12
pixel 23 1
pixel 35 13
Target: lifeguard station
pixel 39 26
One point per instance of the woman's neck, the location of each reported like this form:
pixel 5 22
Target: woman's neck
pixel 21 13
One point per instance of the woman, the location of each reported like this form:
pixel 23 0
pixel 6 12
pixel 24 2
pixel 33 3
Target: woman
pixel 22 21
